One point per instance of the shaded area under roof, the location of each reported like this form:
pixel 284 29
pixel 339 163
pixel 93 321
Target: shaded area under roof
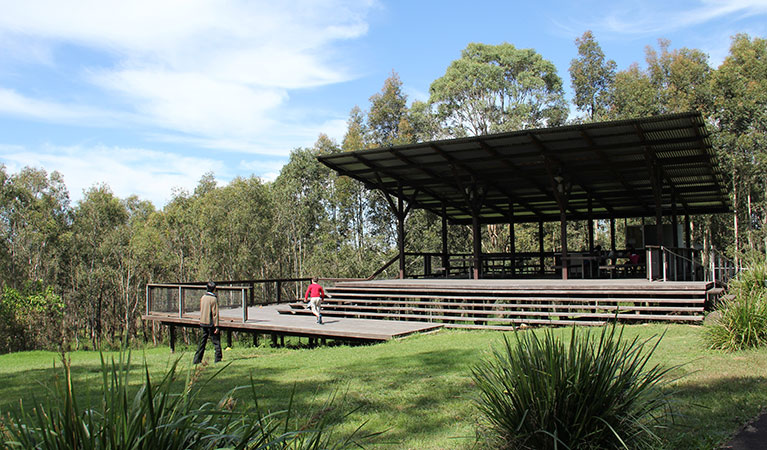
pixel 615 169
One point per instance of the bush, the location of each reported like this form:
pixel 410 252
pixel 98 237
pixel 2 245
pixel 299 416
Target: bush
pixel 157 416
pixel 30 318
pixel 740 321
pixel 591 393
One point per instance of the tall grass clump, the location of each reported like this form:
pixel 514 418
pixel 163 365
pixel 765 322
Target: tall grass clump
pixel 158 415
pixel 595 392
pixel 740 320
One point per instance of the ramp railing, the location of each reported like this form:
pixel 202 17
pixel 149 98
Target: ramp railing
pixel 181 299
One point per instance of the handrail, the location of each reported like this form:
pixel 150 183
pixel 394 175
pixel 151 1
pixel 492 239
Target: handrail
pixel 196 285
pixel 384 267
pixel 180 298
pixel 229 282
pixel 713 272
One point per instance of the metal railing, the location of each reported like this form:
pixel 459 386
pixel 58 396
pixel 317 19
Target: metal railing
pixel 180 299
pixel 686 264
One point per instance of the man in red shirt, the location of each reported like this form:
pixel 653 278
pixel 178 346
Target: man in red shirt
pixel 314 295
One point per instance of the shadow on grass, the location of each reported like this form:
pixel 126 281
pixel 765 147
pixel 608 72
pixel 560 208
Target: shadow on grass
pixel 709 413
pixel 410 394
pixel 416 394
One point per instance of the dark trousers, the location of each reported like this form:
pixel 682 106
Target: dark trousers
pixel 215 338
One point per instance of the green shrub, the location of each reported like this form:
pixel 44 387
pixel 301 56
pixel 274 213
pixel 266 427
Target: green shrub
pixel 22 311
pixel 541 393
pixel 156 416
pixel 740 320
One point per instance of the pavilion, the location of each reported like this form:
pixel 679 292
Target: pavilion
pixel 660 166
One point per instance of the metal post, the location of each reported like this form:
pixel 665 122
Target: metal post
pixel 445 254
pixel 244 307
pixel 540 245
pixel 401 236
pixel 180 305
pixel 148 300
pixel 665 262
pixel 172 335
pixel 279 291
pixel 648 262
pixel 476 232
pixel 612 240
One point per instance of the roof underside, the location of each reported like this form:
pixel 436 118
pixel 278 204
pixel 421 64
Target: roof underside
pixel 606 170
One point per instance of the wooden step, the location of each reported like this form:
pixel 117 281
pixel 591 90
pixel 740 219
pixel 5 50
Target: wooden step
pixel 469 316
pixel 501 308
pixel 472 300
pixel 509 292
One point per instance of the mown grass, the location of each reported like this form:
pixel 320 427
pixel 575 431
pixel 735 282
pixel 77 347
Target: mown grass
pixel 419 389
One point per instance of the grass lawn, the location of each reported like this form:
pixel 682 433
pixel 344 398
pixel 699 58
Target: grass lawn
pixel 418 388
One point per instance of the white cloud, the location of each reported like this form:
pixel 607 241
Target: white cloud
pixel 13 103
pixel 284 137
pixel 149 174
pixel 661 17
pixel 196 104
pixel 213 70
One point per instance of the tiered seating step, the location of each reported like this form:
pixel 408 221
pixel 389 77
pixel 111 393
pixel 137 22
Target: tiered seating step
pixel 506 303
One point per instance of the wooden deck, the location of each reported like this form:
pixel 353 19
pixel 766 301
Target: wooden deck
pixel 380 310
pixel 267 320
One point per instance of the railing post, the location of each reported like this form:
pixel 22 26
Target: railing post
pixel 718 267
pixel 244 306
pixel 665 261
pixel 180 303
pixel 649 264
pixel 279 291
pixel 148 300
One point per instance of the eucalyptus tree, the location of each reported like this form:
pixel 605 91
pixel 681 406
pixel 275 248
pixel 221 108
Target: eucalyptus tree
pixel 423 122
pixel 236 232
pixel 675 81
pixel 351 194
pixel 388 119
pixel 680 78
pixel 300 194
pixel 99 242
pixel 740 100
pixel 494 88
pixel 387 124
pixel 34 217
pixel 592 78
pixel 633 94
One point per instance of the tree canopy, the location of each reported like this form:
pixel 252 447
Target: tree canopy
pixel 494 88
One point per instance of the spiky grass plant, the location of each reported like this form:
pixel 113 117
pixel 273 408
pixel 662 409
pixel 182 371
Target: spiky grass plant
pixel 740 322
pixel 591 393
pixel 158 416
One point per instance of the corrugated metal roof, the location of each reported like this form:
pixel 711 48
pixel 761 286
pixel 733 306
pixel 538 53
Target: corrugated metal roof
pixel 607 165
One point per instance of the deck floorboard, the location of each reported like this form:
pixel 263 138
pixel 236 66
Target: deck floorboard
pixel 266 319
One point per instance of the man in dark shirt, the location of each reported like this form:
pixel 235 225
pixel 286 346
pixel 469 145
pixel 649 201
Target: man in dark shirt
pixel 209 323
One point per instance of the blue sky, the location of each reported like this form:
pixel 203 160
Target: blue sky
pixel 148 95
